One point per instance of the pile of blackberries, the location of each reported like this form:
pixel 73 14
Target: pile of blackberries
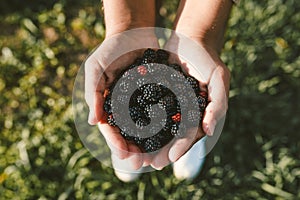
pixel 148 93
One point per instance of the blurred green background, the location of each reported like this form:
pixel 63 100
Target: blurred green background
pixel 43 44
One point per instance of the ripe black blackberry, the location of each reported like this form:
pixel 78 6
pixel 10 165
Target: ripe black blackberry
pixel 137 62
pixel 174 129
pixel 162 56
pixel 149 56
pixel 156 92
pixel 124 86
pixel 127 136
pixel 202 101
pixel 107 105
pixel 194 83
pixel 141 101
pixel 111 121
pixel 141 121
pixel 152 92
pixel 192 115
pixel 139 116
pixel 152 144
pixel 176 67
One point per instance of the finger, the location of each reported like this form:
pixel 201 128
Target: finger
pixel 135 156
pixel 121 148
pixel 94 90
pixel 182 145
pixel 114 140
pixel 147 158
pixel 96 113
pixel 217 93
pixel 161 159
pixel 122 165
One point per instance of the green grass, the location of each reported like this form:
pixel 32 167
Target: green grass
pixel 42 47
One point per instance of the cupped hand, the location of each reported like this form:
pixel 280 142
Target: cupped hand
pixel 205 65
pixel 102 67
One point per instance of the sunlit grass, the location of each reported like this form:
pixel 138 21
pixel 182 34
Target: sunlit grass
pixel 41 49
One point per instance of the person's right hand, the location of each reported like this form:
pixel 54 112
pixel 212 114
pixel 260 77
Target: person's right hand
pixel 204 64
pixel 101 69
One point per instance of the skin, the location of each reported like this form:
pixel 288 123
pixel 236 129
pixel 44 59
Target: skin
pixel 202 21
pixel 205 23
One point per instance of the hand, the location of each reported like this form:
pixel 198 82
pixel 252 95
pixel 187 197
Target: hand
pixel 101 68
pixel 204 64
pixel 105 63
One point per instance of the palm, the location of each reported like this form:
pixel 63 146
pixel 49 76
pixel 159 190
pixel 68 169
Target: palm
pixel 102 67
pixel 213 77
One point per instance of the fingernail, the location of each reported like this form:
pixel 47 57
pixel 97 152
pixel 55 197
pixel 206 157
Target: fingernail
pixel 145 164
pixel 157 168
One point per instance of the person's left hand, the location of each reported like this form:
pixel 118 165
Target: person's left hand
pixel 102 67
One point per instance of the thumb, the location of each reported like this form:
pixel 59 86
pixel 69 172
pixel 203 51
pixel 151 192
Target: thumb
pixel 94 90
pixel 216 109
pixel 96 113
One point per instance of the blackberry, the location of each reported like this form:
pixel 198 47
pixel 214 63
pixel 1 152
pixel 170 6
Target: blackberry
pixel 182 130
pixel 139 141
pixel 174 129
pixel 122 99
pixel 152 144
pixel 165 83
pixel 124 86
pixel 162 56
pixel 107 105
pixel 141 101
pixel 151 93
pixel 139 114
pixel 140 82
pixel 176 67
pixel 150 56
pixel 137 62
pixel 126 136
pixel 169 123
pixel 154 111
pixel 182 101
pixel 181 89
pixel 164 137
pixel 176 78
pixel 192 115
pixel 137 94
pixel 169 103
pixel 194 83
pixel 111 121
pixel 155 129
pixel 143 121
pixel 202 102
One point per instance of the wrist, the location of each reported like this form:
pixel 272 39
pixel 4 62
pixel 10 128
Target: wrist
pixel 123 15
pixel 133 40
pixel 120 26
pixel 210 42
pixel 204 22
